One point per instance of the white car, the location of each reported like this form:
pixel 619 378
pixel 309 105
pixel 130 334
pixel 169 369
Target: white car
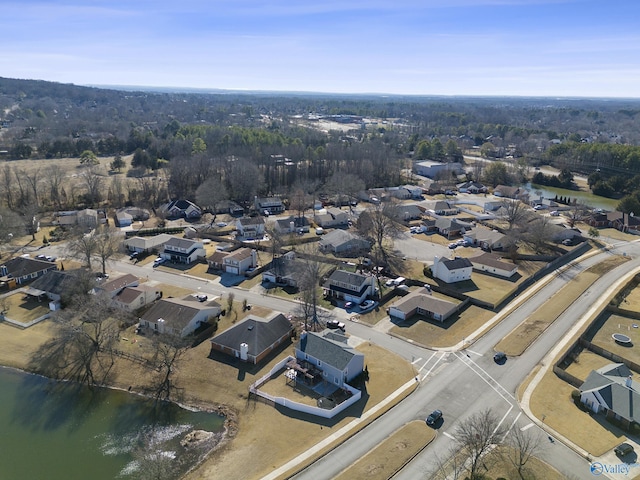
pixel 555 213
pixel 158 261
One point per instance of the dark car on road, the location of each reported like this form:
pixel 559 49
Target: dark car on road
pixel 500 357
pixel 433 417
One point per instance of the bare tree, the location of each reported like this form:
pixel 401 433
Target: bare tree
pixel 82 246
pixel 8 186
pixel 93 183
pixel 381 224
pixel 169 349
pixel 453 467
pixel 345 187
pixel 33 179
pixel 53 176
pixel 82 347
pixel 11 225
pixel 577 213
pixel 107 243
pixel 538 234
pixel 117 195
pixel 515 212
pixel 310 271
pixel 475 437
pixel 520 447
pixel 211 193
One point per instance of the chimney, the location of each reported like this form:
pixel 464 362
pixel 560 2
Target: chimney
pixel 254 258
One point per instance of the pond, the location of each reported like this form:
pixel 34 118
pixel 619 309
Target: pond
pixel 585 197
pixel 58 430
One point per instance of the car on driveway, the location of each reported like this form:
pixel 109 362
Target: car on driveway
pixel 158 261
pixel 367 305
pixel 433 417
pixel 453 245
pixel 348 305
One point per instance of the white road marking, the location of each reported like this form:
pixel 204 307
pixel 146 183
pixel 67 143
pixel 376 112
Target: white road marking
pixel 427 361
pixel 434 366
pixel 448 435
pixel 416 361
pixel 488 379
pixel 527 427
pixel 475 353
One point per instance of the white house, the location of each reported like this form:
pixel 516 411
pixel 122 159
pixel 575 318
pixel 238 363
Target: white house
pixel 239 261
pixel 181 209
pixel 115 286
pixel 147 244
pixel 130 299
pixel 331 218
pixel 272 205
pixel 179 316
pixel 451 271
pixel 332 355
pixel 349 287
pixel 492 263
pixel 183 250
pixel 432 169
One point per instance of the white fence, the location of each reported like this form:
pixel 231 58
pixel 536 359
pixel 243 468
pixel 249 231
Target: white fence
pixel 285 402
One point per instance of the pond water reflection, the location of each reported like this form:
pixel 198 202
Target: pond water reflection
pixel 57 430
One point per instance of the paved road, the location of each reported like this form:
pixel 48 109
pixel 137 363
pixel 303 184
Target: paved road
pixel 459 383
pixel 462 383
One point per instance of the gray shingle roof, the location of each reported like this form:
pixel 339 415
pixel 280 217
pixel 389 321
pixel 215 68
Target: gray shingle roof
pixel 457 263
pixel 328 351
pixel 258 333
pixel 177 313
pixel 54 282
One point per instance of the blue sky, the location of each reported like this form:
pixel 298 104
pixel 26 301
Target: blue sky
pixel 585 48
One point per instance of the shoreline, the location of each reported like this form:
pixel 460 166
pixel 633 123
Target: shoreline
pixel 218 439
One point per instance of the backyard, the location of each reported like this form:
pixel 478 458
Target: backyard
pixel 22 308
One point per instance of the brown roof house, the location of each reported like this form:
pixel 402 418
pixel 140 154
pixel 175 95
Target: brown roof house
pixel 254 338
pixel 237 262
pixel 115 286
pixel 131 299
pixel 422 302
pixel 179 316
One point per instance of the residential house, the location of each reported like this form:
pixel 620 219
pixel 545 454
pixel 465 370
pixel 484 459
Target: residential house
pixel 22 270
pixel 506 191
pixel 486 239
pixel 451 228
pixel 216 260
pixel 254 338
pixel 292 225
pixel 183 250
pixel 131 299
pixel 147 244
pixel 492 207
pixel 269 205
pixel 179 316
pixel 422 302
pixel 409 191
pixel 66 218
pixel 250 228
pixel 472 187
pixel 494 264
pixel 545 203
pixel 87 218
pixel 239 261
pixel 181 209
pixel 52 285
pixel 338 362
pixel 283 271
pixel 331 218
pixel 115 286
pixel 625 222
pixel 559 233
pixel 406 213
pixel 432 169
pixel 123 219
pixel 349 287
pixel 451 271
pixel 342 242
pixel 612 391
pixel 440 207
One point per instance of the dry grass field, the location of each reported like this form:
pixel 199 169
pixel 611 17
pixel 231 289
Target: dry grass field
pixel 23 308
pixel 501 467
pixel 585 363
pixel 431 333
pixel 526 333
pixel 632 299
pixel 591 433
pixel 391 455
pixel 619 324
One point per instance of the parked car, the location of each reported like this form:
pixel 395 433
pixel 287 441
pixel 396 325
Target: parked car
pixel 348 305
pixel 453 245
pixel 554 213
pixel 158 261
pixel 202 297
pixel 433 417
pixel 622 449
pixel 41 257
pixel 221 224
pixel 134 255
pixel 367 304
pixel 335 325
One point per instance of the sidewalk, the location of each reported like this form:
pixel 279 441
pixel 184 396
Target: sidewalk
pixel 548 361
pixel 342 434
